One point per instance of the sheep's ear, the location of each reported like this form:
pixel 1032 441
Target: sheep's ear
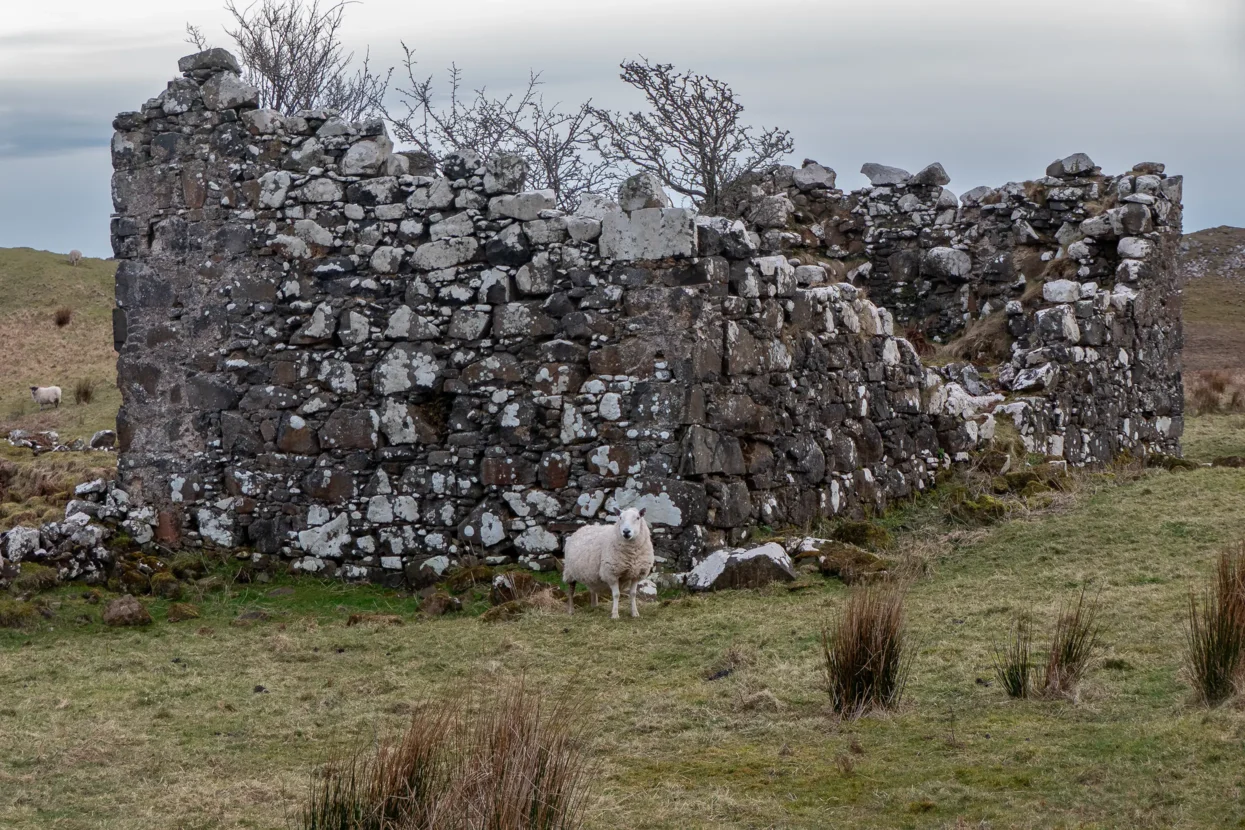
pixel 643 510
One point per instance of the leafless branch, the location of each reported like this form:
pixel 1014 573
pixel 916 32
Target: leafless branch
pixel 557 144
pixel 292 52
pixel 691 138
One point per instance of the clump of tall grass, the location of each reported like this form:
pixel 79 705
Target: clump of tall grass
pixel 865 651
pixel 1013 665
pixel 515 762
pixel 1072 646
pixel 62 316
pixel 84 391
pixel 1216 634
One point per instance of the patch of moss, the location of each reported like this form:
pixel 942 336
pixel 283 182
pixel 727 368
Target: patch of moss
pixel 1172 463
pixel 464 579
pixel 19 614
pixel 166 586
pixel 850 563
pixel 133 581
pixel 34 579
pixel 188 566
pixel 179 611
pixel 867 535
pixel 983 510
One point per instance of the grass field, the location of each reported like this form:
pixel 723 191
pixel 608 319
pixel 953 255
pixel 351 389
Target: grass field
pixel 37 352
pixel 164 727
pixel 219 721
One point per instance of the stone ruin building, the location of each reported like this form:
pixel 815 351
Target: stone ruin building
pixel 339 355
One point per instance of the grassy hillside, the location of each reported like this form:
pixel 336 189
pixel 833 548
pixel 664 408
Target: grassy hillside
pixel 218 722
pixel 1214 302
pixel 37 352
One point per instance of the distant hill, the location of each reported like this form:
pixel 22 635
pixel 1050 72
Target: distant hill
pixel 1213 261
pixel 34 350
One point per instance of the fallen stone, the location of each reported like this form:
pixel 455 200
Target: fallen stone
pixel 642 190
pixel 739 568
pixel 125 611
pixel 880 175
pixel 933 175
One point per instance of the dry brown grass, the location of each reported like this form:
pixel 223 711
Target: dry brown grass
pixel 84 391
pixel 984 341
pixel 35 489
pixel 1215 391
pixel 514 762
pixel 35 287
pixel 865 652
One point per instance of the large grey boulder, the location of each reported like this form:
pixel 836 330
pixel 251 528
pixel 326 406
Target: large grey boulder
pixel 934 175
pixel 642 190
pixel 367 157
pixel 880 175
pixel 209 60
pixel 648 233
pixel 739 568
pixel 522 206
pixel 226 91
pixel 1076 164
pixel 946 262
pixel 813 175
pixel 1061 291
pixel 504 174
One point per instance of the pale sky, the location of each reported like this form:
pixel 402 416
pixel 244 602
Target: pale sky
pixel 994 90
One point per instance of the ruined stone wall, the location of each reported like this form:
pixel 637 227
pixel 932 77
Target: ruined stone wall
pixel 331 354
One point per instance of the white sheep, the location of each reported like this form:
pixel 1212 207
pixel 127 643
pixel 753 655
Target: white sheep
pixel 615 557
pixel 46 396
pixel 75 256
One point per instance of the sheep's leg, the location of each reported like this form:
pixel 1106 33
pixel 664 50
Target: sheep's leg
pixel 592 598
pixel 614 607
pixel 635 587
pixel 570 597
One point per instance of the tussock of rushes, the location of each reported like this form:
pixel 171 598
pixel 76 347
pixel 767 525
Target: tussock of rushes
pixel 865 651
pixel 84 391
pixel 1013 665
pixel 514 763
pixel 1216 634
pixel 1076 635
pixel 62 316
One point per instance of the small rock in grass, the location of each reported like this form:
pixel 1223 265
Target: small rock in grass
pixel 180 611
pixel 126 611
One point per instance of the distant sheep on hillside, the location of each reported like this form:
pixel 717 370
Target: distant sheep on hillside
pixel 75 256
pixel 46 396
pixel 609 557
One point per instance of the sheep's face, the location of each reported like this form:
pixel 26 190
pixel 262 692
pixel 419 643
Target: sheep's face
pixel 631 524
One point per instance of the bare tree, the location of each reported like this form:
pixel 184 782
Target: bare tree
pixel 692 138
pixel 292 51
pixel 557 144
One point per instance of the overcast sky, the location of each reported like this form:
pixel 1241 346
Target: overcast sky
pixel 994 90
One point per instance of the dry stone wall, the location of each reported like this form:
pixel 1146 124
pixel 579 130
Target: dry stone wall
pixel 332 353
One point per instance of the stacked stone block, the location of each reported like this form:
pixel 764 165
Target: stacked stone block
pixel 334 354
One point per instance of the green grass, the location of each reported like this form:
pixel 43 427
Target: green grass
pixel 162 727
pixel 33 285
pixel 1208 437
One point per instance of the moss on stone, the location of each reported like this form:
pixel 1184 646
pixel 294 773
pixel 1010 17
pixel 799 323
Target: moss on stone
pixel 863 534
pixel 18 614
pixel 35 578
pixel 179 611
pixel 166 586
